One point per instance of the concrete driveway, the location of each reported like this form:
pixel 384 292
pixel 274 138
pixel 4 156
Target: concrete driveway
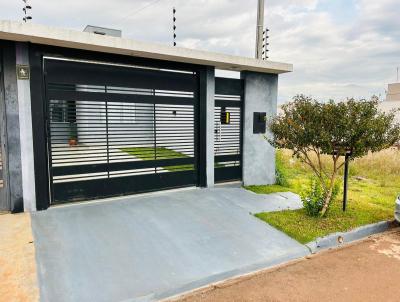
pixel 149 247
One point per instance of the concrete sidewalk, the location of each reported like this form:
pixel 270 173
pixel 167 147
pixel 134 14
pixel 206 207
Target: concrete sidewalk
pixel 365 271
pixel 148 247
pixel 18 280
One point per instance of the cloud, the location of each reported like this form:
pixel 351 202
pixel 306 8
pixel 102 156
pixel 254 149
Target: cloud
pixel 354 58
pixel 348 48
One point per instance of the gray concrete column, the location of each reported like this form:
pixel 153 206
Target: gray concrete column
pixel 260 95
pixel 25 121
pixel 4 181
pixel 12 128
pixel 210 79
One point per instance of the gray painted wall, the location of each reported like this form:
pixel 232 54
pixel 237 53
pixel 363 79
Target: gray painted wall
pixel 12 129
pixel 25 121
pixel 210 126
pixel 4 193
pixel 260 95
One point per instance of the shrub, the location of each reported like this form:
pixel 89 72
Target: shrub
pixel 280 172
pixel 313 199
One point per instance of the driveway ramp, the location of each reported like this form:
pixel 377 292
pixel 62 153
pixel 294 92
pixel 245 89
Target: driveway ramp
pixel 148 247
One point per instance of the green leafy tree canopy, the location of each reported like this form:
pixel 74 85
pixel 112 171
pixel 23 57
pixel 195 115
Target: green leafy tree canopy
pixel 357 127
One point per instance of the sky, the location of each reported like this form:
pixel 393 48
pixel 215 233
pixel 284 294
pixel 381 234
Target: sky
pixel 339 48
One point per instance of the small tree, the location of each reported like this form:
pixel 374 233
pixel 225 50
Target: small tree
pixel 357 127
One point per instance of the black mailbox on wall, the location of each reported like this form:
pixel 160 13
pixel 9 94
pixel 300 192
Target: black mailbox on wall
pixel 259 122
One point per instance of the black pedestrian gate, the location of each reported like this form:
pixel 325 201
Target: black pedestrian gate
pixel 115 130
pixel 228 129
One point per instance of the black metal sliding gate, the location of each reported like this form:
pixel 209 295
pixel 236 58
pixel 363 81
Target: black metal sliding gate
pixel 116 130
pixel 228 129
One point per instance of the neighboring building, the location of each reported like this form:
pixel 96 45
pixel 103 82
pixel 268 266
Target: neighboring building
pixel 392 100
pixel 103 31
pixel 85 116
pixel 393 92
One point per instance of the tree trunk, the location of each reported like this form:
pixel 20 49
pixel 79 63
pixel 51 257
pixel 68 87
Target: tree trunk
pixel 328 197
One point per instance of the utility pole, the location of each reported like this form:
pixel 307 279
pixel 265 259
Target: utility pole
pixel 259 29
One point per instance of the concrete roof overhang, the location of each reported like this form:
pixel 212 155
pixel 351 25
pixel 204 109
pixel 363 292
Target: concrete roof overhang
pixel 45 35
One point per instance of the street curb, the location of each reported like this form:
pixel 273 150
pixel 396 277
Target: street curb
pixel 339 239
pixel 220 278
pixel 320 244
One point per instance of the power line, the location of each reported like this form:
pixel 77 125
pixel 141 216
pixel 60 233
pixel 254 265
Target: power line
pixel 139 10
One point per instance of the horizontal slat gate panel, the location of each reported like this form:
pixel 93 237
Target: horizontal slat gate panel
pixel 228 103
pixel 226 86
pixel 228 174
pixel 228 137
pixel 222 158
pixel 68 72
pixel 119 166
pixel 116 97
pixel 100 188
pixel 120 136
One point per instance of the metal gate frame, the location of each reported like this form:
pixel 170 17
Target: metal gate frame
pixel 230 94
pixel 104 171
pixel 38 92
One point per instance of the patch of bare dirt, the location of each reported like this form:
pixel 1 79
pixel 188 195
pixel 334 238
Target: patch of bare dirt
pixel 18 282
pixel 368 270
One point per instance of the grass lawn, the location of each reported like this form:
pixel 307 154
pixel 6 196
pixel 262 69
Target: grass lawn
pixel 150 153
pixel 374 184
pixel 269 189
